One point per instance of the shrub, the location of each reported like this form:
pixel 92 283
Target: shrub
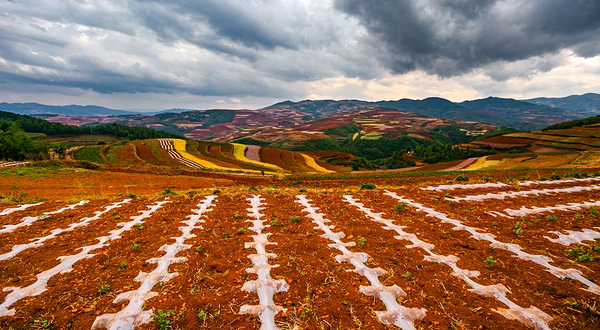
pixel 555 177
pixel 461 178
pixel 400 206
pixel 168 191
pixel 367 186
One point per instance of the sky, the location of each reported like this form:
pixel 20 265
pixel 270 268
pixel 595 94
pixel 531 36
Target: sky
pixel 199 54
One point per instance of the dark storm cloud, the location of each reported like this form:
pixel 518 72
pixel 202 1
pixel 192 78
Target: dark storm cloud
pixel 277 48
pixel 451 37
pixel 229 20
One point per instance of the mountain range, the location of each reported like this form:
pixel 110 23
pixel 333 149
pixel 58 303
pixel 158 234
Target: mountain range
pixel 529 114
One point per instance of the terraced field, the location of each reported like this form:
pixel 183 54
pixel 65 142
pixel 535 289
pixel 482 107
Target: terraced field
pixel 206 155
pixel 489 255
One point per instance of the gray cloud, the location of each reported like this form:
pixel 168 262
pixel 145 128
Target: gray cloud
pixel 451 37
pixel 279 48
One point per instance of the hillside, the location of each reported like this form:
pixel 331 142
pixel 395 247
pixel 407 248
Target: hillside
pixel 35 125
pixel 194 155
pixel 589 102
pixel 575 144
pixel 373 133
pixel 522 115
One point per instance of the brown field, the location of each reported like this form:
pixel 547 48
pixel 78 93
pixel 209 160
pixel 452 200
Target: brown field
pixel 322 292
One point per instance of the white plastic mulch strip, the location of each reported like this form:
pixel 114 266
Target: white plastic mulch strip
pixel 531 316
pixel 476 233
pixel 574 237
pixel 168 145
pixel 9 164
pixel 395 314
pixel 561 207
pixel 511 194
pixel 465 186
pixel 27 221
pixel 19 208
pixel 37 242
pixel 264 286
pixel 502 185
pixel 133 314
pixel 529 183
pixel 67 262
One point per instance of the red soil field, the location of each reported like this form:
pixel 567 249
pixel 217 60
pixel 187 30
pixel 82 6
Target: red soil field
pixel 324 292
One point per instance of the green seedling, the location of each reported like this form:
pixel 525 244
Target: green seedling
pixel 362 241
pixel 407 275
pixel 241 231
pixel 305 312
pixel 294 218
pixel 162 319
pixel 490 261
pixel 135 246
pixel 104 289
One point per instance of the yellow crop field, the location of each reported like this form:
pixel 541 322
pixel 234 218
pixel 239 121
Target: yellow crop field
pixel 477 165
pixel 239 152
pixel 313 164
pixel 180 148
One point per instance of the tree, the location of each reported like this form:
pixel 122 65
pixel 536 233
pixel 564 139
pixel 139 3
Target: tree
pixel 15 144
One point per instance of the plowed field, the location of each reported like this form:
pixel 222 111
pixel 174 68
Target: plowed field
pixel 306 254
